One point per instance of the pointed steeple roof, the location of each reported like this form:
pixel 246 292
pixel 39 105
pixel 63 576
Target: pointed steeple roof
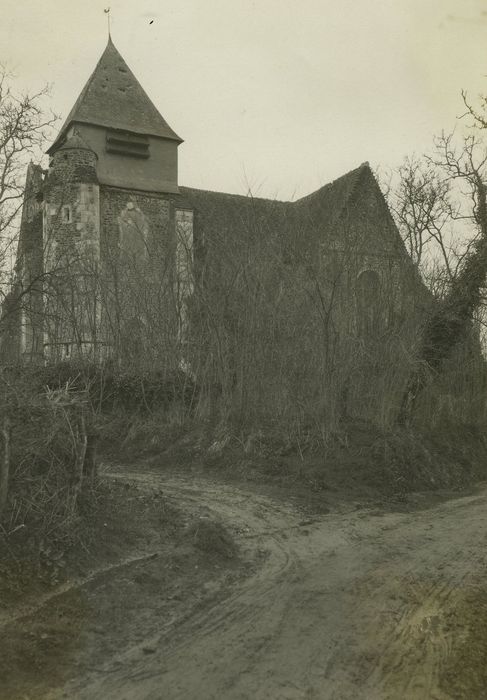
pixel 114 98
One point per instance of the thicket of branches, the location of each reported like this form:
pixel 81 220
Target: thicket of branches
pixel 44 435
pixel 24 126
pixel 441 209
pixel 295 349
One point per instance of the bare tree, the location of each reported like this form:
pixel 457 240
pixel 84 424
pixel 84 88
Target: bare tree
pixel 441 209
pixel 423 210
pixel 24 126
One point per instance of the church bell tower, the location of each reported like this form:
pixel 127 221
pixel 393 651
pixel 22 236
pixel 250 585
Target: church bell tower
pixel 114 220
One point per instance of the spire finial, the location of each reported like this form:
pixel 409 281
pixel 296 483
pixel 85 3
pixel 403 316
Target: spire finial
pixel 107 12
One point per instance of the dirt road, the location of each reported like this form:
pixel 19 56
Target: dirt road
pixel 350 605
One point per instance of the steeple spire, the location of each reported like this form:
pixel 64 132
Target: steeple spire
pixel 107 12
pixel 114 98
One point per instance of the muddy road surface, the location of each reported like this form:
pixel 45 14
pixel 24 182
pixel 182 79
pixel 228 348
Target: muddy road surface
pixel 354 604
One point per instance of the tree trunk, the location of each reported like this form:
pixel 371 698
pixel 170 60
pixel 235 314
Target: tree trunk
pixel 90 466
pixel 5 464
pixel 81 448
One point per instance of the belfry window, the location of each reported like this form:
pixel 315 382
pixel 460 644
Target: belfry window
pixel 126 143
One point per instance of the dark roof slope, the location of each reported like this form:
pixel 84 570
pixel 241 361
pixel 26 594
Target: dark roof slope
pixel 324 206
pixel 321 208
pixel 224 222
pixel 114 98
pixel 232 210
pixel 241 220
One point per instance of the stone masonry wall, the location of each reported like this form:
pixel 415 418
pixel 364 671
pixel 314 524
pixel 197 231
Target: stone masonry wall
pixel 71 254
pixel 137 253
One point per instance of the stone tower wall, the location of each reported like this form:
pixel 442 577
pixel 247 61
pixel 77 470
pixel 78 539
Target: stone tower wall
pixel 71 254
pixel 157 173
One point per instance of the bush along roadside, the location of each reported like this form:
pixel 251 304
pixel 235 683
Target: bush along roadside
pixel 48 466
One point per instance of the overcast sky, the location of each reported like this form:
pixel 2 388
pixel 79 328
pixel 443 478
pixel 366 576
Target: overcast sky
pixel 276 95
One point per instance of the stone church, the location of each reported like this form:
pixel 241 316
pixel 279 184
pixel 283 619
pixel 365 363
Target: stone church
pixel 113 250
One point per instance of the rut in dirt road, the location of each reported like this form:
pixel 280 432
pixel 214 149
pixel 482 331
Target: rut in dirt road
pixel 354 605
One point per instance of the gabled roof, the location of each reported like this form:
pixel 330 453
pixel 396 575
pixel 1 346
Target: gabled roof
pixel 232 211
pixel 297 224
pixel 321 208
pixel 114 98
pixel 327 204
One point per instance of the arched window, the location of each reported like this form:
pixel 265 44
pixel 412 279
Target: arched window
pixel 369 311
pixel 134 233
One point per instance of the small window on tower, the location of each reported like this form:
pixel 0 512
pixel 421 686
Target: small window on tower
pixel 66 214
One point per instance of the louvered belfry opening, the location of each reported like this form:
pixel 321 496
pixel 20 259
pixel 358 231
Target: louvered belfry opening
pixel 127 143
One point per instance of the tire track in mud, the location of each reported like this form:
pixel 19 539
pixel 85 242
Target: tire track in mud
pixel 255 614
pixel 256 518
pixel 266 521
pixel 354 606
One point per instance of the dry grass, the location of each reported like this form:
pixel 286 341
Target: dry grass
pixel 466 673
